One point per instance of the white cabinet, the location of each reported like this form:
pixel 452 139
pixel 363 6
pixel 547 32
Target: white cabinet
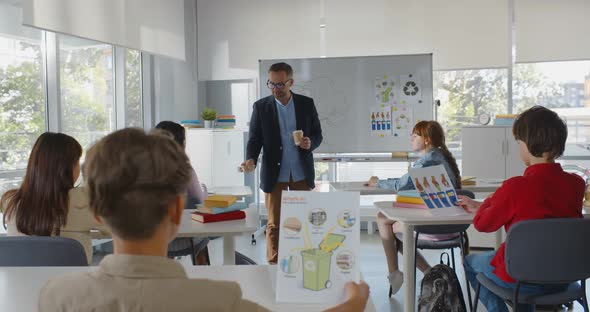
pixel 490 152
pixel 216 154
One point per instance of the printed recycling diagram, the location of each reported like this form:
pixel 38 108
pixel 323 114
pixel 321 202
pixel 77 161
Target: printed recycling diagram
pixel 318 245
pixel 316 262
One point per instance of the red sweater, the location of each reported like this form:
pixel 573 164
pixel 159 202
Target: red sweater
pixel 545 191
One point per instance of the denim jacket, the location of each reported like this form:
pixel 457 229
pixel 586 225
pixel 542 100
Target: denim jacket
pixel 431 158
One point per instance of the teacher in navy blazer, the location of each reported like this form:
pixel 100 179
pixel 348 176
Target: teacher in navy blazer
pixel 285 165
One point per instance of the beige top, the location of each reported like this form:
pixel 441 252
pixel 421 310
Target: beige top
pixel 140 283
pixel 79 222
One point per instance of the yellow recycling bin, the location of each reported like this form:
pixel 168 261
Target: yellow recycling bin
pixel 316 263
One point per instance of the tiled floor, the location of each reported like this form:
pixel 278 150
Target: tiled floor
pixel 372 260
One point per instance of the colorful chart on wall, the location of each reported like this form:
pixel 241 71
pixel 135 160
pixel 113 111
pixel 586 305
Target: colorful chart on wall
pixel 319 244
pixel 380 121
pixel 346 91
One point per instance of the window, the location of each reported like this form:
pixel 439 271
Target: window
pixel 87 98
pixel 565 88
pixel 465 95
pixel 133 111
pixel 22 96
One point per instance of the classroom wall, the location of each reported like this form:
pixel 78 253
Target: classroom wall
pixel 234 34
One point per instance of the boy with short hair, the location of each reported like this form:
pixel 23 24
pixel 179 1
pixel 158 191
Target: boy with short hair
pixel 544 191
pixel 136 185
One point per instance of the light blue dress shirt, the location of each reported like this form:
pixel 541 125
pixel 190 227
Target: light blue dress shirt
pixel 432 158
pixel 291 166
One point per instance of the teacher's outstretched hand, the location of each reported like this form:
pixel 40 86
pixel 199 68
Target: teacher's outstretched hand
pixel 248 166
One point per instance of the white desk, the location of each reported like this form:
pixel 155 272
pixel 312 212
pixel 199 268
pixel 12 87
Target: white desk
pixel 481 186
pixel 411 218
pixel 189 228
pixel 19 286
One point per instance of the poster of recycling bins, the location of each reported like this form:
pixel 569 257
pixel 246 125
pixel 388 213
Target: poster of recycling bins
pixel 318 246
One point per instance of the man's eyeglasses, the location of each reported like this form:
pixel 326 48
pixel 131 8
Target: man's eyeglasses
pixel 279 86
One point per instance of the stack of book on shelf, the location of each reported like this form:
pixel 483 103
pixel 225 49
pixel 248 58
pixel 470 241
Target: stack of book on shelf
pixel 409 199
pixel 504 119
pixel 191 123
pixel 219 208
pixel 226 122
pixel 467 180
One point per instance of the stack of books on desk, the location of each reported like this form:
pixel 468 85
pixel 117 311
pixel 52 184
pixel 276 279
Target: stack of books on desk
pixel 226 122
pixel 409 199
pixel 191 123
pixel 219 208
pixel 504 119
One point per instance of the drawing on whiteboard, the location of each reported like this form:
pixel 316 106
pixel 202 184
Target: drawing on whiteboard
pixel 381 121
pixel 320 89
pixel 403 124
pixel 385 90
pixel 401 107
pixel 411 87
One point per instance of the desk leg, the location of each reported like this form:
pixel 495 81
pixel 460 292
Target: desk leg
pixel 229 249
pixel 409 270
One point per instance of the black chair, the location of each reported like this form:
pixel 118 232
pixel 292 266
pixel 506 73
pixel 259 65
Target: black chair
pixel 29 251
pixel 243 260
pixel 185 246
pixel 545 251
pixel 461 240
pixel 188 246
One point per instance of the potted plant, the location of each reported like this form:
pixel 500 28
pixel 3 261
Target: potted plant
pixel 209 115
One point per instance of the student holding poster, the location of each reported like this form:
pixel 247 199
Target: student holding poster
pixel 428 140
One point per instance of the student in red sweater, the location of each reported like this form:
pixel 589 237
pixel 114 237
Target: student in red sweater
pixel 544 191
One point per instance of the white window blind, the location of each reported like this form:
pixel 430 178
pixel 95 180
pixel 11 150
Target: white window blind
pixel 548 30
pixel 234 34
pixel 460 33
pixel 154 26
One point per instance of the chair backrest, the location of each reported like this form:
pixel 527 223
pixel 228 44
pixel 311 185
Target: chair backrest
pixel 241 259
pixel 467 193
pixel 549 250
pixel 41 251
pixel 446 228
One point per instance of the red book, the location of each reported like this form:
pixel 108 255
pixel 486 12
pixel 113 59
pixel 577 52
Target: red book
pixel 206 218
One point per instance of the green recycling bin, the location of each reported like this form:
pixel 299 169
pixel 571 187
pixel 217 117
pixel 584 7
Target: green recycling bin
pixel 316 263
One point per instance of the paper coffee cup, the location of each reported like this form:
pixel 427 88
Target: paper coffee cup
pixel 298 136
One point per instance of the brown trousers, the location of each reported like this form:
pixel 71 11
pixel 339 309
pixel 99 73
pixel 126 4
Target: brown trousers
pixel 273 206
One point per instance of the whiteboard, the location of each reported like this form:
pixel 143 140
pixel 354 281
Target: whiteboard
pixel 353 96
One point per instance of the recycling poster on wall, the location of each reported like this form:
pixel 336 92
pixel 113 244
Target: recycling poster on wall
pixel 318 246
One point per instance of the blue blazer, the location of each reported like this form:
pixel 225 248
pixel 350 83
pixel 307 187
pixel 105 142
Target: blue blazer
pixel 265 134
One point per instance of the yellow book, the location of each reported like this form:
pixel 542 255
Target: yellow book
pixel 410 200
pixel 220 201
pixel 467 180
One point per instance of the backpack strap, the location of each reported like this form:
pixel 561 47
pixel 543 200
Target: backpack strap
pixel 448 259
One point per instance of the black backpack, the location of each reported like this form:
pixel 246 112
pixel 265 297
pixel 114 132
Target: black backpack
pixel 440 290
